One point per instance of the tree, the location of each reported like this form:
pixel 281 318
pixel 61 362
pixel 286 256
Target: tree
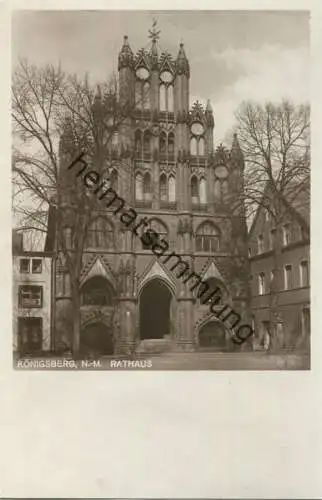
pixel 56 117
pixel 275 141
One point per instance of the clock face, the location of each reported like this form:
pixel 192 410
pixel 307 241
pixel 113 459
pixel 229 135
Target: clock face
pixel 142 73
pixel 166 76
pixel 221 172
pixel 197 128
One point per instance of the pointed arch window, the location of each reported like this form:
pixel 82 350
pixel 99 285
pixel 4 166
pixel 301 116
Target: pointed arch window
pixel 114 180
pixel 217 190
pixel 224 189
pixel 139 186
pixel 147 186
pixel 201 146
pixel 138 94
pixel 170 98
pixel 221 190
pixel 146 95
pixel 171 143
pixel 203 191
pixel 138 141
pixel 207 238
pixel 194 189
pixel 163 91
pixel 163 187
pixel 99 234
pixel 142 95
pixel 166 97
pixel 172 189
pixel 68 236
pixel 158 227
pixel 197 146
pixel 193 146
pixel 163 143
pixel 146 142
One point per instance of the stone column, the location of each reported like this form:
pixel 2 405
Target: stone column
pixel 126 341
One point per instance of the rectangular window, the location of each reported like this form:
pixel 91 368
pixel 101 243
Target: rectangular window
pixel 30 296
pixel 288 281
pixel 306 321
pixel 260 243
pixel 286 234
pixel 303 233
pixel 304 273
pixel 36 266
pixel 30 335
pixel 24 266
pixel 261 284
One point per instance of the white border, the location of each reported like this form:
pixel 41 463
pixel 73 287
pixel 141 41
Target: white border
pixel 160 434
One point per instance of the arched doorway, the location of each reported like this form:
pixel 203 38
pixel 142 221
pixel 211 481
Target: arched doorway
pixel 212 337
pixel 97 296
pixel 155 301
pixel 97 338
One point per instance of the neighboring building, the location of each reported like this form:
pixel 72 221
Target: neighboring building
pixel 170 174
pixel 32 278
pixel 293 297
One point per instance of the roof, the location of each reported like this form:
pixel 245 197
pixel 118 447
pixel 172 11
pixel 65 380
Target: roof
pixel 296 200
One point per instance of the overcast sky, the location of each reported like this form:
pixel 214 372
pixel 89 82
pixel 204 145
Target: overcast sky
pixel 233 55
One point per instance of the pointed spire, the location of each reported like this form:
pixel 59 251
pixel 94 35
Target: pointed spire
pixel 236 151
pixel 154 35
pixel 209 115
pixel 182 63
pixel 235 145
pixel 126 55
pixel 209 107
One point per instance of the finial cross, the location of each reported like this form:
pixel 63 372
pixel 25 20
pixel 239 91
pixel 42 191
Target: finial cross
pixel 154 33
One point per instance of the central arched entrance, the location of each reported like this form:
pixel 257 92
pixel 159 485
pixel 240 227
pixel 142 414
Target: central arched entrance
pixel 155 302
pixel 212 337
pixel 97 338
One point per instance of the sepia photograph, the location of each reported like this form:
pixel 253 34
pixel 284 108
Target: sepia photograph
pixel 160 190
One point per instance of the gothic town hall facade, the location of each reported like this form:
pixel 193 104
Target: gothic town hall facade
pixel 188 192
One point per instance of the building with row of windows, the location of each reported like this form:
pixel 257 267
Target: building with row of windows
pixel 293 294
pixel 173 176
pixel 32 299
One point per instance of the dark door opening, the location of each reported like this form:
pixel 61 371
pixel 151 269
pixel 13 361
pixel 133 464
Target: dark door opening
pixel 155 310
pixel 212 337
pixel 96 338
pixel 30 335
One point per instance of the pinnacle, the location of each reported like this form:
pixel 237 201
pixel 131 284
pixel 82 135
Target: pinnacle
pixel 209 107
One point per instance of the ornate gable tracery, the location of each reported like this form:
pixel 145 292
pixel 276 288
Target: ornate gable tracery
pixel 197 112
pixel 142 59
pixel 166 63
